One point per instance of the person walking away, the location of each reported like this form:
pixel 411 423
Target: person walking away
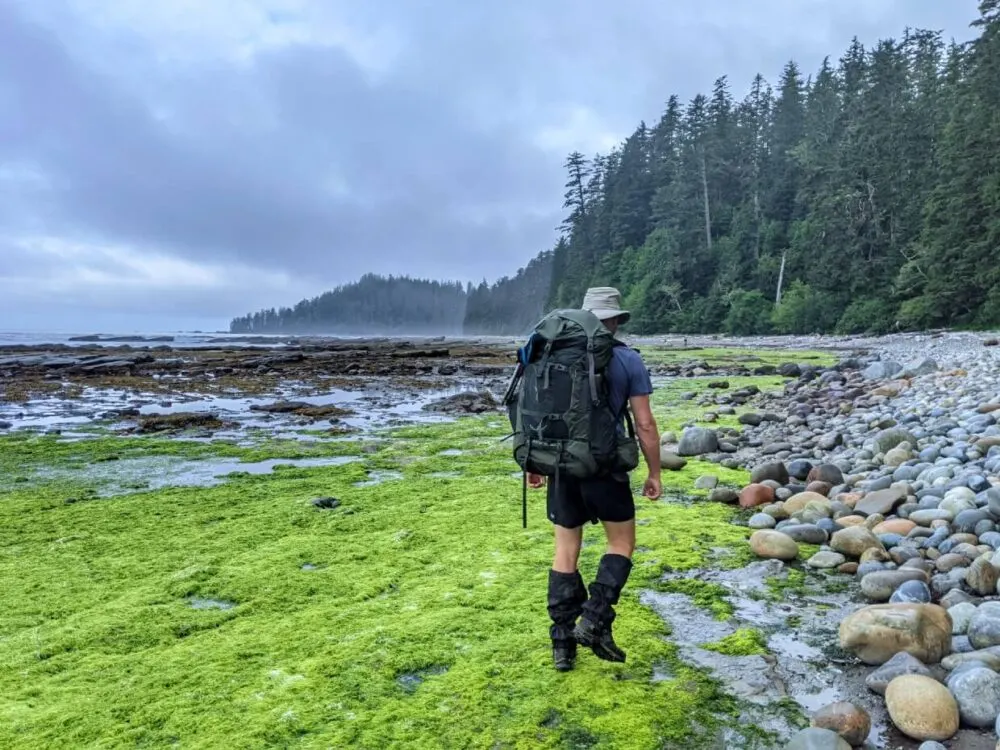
pixel 604 497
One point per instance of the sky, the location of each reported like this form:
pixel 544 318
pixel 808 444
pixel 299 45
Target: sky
pixel 169 164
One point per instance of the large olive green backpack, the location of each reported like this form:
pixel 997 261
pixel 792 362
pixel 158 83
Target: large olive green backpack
pixel 557 402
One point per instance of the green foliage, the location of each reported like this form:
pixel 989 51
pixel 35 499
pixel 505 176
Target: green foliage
pixel 804 310
pixel 866 315
pixel 373 304
pixel 749 313
pixel 875 178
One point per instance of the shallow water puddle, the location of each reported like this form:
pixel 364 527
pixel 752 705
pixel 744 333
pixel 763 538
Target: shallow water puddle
pixel 156 472
pixel 410 681
pixel 198 602
pixel 378 477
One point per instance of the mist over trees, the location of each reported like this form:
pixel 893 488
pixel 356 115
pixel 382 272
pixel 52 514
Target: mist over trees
pixel 860 197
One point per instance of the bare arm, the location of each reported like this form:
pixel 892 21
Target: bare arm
pixel 649 436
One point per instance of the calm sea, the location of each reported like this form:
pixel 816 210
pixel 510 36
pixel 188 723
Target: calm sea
pixel 176 338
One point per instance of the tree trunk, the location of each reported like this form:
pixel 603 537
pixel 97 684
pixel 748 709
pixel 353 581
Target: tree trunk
pixel 781 278
pixel 708 215
pixel 756 214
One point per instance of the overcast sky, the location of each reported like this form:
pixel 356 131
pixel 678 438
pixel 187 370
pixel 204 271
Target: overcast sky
pixel 167 164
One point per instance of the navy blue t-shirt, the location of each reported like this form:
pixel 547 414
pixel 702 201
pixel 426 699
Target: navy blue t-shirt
pixel 627 377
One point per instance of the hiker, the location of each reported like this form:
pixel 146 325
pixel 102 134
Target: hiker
pixel 606 497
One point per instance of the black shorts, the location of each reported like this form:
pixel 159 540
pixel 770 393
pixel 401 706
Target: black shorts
pixel 575 501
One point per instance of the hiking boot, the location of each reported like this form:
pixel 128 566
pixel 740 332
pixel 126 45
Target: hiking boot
pixel 594 628
pixel 599 640
pixel 563 655
pixel 567 594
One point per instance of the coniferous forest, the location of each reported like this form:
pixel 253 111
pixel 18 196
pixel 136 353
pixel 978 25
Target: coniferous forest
pixel 860 197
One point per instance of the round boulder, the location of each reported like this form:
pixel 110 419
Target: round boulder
pixel 877 633
pixel 774 545
pixel 922 708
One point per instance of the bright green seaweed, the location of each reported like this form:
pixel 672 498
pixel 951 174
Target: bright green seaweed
pixel 419 620
pixel 411 616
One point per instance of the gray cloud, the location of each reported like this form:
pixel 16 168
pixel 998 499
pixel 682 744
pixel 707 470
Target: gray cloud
pixel 396 138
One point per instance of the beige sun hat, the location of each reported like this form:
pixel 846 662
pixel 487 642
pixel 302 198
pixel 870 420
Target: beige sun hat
pixel 605 302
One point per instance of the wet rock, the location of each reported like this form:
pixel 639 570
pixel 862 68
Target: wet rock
pixel 724 495
pixel 961 616
pixel 670 461
pixel 902 526
pixel 854 540
pixel 977 692
pixel 799 469
pixel 922 708
pixel 900 664
pixel 982 576
pixel 772 448
pixel 879 586
pixel 850 722
pixel 798 502
pixel 825 559
pixel 761 521
pixel 876 633
pixel 984 627
pixel 775 471
pixel 178 421
pixel 881 501
pixel 988 656
pixel 888 439
pixel 916 592
pixel 773 545
pixel 326 503
pixel 817 738
pixel 828 473
pixel 473 402
pixel 805 533
pixel 697 441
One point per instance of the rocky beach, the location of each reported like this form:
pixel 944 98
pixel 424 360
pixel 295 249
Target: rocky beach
pixel 826 553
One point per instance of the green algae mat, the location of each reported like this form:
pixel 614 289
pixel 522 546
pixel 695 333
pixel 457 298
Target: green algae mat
pixel 242 616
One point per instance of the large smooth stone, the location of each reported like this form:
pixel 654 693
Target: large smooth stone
pixel 881 501
pixel 922 708
pixel 982 577
pixel 977 692
pixel 854 540
pixel 984 627
pixel 876 633
pixel 879 586
pixel 773 545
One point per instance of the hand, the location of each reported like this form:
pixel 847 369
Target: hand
pixel 535 481
pixel 652 489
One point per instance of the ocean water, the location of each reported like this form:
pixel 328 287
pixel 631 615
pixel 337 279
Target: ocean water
pixel 154 338
pixel 189 339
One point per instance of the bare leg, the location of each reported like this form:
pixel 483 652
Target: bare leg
pixel 567 552
pixel 621 537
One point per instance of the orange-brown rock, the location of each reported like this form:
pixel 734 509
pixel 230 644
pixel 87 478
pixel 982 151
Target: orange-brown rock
pixel 754 495
pixel 901 526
